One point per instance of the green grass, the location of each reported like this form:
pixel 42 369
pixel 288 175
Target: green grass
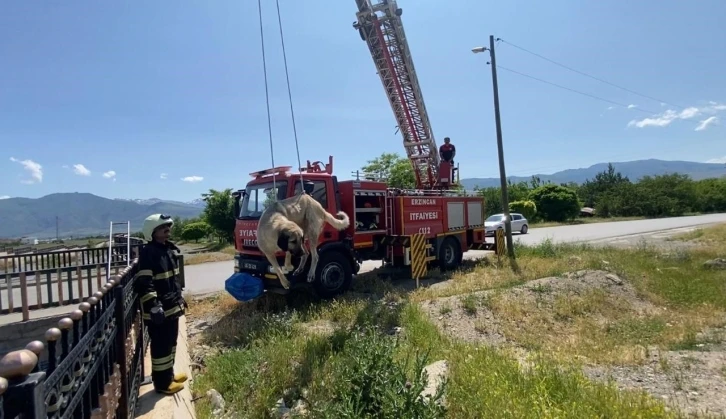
pixel 361 372
pixel 355 367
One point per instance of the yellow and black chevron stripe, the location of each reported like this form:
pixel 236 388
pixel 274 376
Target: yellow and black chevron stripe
pixel 499 241
pixel 419 260
pixel 396 240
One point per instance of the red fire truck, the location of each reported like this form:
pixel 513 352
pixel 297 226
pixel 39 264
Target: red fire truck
pixel 383 220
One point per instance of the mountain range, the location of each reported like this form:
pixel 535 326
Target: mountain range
pixel 84 214
pixel 632 169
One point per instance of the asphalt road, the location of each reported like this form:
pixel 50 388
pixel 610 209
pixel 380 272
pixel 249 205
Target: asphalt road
pixel 209 277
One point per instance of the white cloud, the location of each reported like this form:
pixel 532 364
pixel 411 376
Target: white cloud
pixel 719 160
pixel 666 118
pixel 631 106
pixel 110 174
pixel 711 120
pixel 162 176
pixel 5 197
pixel 192 179
pixel 81 170
pixel 35 170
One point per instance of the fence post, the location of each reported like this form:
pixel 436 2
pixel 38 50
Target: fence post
pixel 3 388
pixel 24 396
pixel 182 280
pixel 121 354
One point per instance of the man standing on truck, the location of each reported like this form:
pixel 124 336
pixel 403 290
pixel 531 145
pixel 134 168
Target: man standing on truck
pixel 447 151
pixel 161 301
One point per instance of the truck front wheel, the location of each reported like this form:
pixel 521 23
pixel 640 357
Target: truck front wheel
pixel 333 275
pixel 450 255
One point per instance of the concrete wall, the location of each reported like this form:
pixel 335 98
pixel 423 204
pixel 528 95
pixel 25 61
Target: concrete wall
pixel 16 335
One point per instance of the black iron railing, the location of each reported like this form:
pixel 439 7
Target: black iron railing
pixel 95 360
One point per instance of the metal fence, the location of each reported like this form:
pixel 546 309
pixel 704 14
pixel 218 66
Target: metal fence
pixel 95 360
pixel 56 278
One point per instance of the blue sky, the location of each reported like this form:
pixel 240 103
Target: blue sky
pixel 176 88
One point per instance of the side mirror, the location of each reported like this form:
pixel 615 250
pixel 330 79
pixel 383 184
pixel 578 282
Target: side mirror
pixel 237 196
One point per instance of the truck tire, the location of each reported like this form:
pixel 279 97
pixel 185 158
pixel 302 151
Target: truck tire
pixel 333 275
pixel 450 254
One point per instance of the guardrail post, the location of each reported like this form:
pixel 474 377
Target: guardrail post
pixel 121 355
pixel 182 279
pixel 24 389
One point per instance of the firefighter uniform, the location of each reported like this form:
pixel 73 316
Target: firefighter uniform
pixel 159 290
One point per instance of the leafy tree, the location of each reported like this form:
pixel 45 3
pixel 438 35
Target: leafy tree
pixel 195 231
pixel 605 181
pixel 219 213
pixel 555 202
pixel 711 195
pixel 527 208
pixel 392 168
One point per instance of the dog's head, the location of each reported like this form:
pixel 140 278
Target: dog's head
pixel 291 240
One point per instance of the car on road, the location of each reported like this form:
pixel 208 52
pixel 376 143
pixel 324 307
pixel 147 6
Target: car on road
pixel 496 221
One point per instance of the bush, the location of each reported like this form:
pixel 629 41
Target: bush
pixel 195 231
pixel 370 383
pixel 527 208
pixel 555 202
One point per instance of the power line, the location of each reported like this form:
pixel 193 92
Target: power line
pixel 588 75
pixel 575 91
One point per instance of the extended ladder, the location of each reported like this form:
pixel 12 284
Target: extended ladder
pixel 379 23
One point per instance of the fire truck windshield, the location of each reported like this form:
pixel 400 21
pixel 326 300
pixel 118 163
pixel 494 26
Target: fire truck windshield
pixel 257 197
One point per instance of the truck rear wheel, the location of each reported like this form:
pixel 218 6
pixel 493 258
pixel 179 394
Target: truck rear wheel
pixel 450 255
pixel 333 275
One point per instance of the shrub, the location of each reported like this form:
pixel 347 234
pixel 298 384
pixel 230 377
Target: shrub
pixel 555 202
pixel 526 207
pixel 369 382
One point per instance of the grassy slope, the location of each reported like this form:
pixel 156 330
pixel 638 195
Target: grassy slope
pixel 271 353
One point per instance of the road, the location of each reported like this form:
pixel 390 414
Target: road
pixel 209 277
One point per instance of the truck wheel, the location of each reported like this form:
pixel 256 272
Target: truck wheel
pixel 333 275
pixel 450 254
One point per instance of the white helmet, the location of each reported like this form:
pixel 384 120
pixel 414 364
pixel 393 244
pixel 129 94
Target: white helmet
pixel 152 222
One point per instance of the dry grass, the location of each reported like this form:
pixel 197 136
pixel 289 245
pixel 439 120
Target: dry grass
pixel 705 237
pixel 216 255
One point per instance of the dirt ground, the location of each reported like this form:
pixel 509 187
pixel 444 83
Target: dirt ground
pixel 693 380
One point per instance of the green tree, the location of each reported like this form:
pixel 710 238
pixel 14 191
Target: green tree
pixel 605 181
pixel 711 195
pixel 219 213
pixel 393 169
pixel 527 208
pixel 555 202
pixel 195 231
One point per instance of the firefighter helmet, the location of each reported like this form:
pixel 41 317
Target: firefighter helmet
pixel 152 222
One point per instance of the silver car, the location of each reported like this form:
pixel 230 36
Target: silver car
pixel 496 221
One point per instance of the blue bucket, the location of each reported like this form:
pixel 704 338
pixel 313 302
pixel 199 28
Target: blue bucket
pixel 244 287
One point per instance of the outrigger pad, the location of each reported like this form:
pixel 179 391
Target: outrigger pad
pixel 244 287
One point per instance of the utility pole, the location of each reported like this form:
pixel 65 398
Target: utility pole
pixel 57 236
pixel 500 146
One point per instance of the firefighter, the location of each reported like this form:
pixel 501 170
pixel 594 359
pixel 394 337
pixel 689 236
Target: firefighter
pixel 447 151
pixel 161 301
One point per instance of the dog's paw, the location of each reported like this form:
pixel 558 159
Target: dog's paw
pixel 286 269
pixel 311 277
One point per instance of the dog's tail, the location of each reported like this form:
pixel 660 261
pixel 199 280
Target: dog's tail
pixel 340 223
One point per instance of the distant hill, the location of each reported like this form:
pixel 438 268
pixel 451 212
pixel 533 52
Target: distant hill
pixel 633 169
pixel 81 214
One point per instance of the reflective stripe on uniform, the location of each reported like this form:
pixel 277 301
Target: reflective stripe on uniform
pixel 148 296
pixel 163 363
pixel 167 274
pixel 169 312
pixel 144 272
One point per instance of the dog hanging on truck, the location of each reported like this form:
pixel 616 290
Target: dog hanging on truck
pixel 285 224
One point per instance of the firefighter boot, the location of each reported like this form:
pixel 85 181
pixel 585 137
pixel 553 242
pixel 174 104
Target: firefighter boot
pixel 180 377
pixel 173 388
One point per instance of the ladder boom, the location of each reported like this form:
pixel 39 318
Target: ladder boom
pixel 379 23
